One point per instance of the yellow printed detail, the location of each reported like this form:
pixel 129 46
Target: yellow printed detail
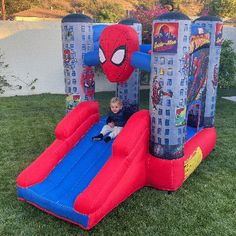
pixel 192 162
pixel 161 44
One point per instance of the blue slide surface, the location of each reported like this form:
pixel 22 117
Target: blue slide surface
pixel 70 177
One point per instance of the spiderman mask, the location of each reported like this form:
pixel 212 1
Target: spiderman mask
pixel 117 44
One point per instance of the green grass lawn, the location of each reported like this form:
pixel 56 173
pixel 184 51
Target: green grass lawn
pixel 204 205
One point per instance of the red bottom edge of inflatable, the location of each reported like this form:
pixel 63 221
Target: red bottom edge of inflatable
pixel 169 175
pixel 53 214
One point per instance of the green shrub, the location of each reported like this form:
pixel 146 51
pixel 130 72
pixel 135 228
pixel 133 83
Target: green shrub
pixel 109 12
pixel 223 8
pixel 227 70
pixel 3 81
pixel 14 6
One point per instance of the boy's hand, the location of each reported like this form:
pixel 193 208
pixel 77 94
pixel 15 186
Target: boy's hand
pixel 111 124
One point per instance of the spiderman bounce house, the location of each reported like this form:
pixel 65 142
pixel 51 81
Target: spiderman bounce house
pixel 81 181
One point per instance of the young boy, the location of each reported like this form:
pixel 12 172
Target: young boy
pixel 115 121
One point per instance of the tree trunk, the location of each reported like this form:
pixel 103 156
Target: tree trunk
pixel 3 10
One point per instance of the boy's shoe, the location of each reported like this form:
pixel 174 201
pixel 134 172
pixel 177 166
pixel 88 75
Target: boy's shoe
pixel 107 139
pixel 98 137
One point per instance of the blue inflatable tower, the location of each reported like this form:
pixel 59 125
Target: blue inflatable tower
pixel 214 26
pixel 128 91
pixel 77 39
pixel 168 84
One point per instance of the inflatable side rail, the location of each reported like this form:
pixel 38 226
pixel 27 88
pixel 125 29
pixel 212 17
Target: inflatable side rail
pixel 122 175
pixel 68 132
pixel 84 113
pixel 131 134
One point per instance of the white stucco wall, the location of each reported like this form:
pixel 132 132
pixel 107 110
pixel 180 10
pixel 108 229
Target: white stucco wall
pixel 34 50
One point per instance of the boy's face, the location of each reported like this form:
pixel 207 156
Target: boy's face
pixel 115 107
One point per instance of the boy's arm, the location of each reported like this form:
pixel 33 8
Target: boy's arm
pixel 109 120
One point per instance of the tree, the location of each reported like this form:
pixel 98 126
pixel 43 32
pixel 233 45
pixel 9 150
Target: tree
pixel 227 69
pixel 146 17
pixel 3 10
pixel 168 4
pixel 13 6
pixel 146 4
pixel 223 8
pixel 102 11
pixel 109 12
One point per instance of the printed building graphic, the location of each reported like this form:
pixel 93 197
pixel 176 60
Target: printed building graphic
pixel 168 88
pixel 77 40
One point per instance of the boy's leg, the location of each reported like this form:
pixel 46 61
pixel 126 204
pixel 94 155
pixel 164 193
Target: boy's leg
pixel 106 129
pixel 115 131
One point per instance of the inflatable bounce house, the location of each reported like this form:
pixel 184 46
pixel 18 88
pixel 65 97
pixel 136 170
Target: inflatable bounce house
pixel 80 180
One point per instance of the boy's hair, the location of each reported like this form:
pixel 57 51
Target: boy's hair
pixel 116 100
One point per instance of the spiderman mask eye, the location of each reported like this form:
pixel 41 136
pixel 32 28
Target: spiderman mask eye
pixel 102 57
pixel 119 55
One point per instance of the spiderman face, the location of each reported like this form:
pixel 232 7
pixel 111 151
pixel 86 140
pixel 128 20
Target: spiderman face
pixel 117 44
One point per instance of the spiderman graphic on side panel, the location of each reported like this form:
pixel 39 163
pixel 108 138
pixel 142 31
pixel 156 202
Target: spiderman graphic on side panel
pixel 158 93
pixel 87 82
pixel 66 56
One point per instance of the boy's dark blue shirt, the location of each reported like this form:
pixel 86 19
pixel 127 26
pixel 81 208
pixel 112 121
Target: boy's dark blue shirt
pixel 118 118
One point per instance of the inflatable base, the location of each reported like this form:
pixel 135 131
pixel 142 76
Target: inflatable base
pixel 80 181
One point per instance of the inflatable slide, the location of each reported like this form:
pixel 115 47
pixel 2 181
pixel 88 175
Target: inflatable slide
pixel 80 180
